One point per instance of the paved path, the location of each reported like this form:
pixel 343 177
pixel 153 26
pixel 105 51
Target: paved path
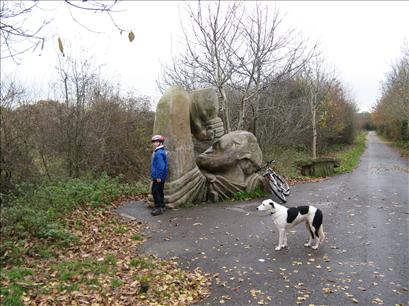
pixel 364 259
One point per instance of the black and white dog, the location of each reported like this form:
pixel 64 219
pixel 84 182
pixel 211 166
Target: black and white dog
pixel 286 218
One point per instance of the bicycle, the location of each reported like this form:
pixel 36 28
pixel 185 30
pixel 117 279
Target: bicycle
pixel 278 185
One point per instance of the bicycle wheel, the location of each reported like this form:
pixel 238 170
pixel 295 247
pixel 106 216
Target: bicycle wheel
pixel 277 191
pixel 282 183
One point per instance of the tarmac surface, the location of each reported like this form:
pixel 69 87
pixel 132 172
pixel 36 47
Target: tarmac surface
pixel 364 261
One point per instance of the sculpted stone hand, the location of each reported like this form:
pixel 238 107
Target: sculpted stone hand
pixel 204 121
pixel 229 165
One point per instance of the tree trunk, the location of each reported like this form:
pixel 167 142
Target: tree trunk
pixel 314 134
pixel 242 114
pixel 68 128
pixel 255 115
pixel 45 165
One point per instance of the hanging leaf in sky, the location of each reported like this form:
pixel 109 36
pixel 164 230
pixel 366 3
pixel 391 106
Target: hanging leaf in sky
pixel 131 36
pixel 60 46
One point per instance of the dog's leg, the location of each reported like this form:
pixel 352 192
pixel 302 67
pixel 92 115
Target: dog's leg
pixel 285 245
pixel 321 233
pixel 281 233
pixel 310 234
pixel 317 241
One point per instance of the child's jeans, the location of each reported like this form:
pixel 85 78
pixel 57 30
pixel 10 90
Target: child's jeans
pixel 157 193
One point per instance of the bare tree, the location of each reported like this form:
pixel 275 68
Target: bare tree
pixel 236 51
pixel 78 77
pixel 317 81
pixel 16 161
pixel 211 41
pixel 18 33
pixel 266 55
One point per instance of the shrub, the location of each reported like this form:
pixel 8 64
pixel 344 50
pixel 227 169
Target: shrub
pixel 38 213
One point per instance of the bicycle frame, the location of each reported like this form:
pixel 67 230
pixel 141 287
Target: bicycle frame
pixel 277 184
pixel 269 174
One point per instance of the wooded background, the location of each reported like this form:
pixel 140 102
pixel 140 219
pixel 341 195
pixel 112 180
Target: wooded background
pixel 270 81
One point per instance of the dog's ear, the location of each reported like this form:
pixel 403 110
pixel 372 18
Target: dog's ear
pixel 271 202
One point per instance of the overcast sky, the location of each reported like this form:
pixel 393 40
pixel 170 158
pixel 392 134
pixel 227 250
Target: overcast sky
pixel 361 40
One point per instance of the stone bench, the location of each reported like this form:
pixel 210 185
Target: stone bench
pixel 320 167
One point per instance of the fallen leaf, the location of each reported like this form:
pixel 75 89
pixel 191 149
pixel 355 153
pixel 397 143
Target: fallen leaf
pixel 377 301
pixel 327 290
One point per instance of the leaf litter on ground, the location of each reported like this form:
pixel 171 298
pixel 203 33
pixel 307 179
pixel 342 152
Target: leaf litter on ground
pixel 103 267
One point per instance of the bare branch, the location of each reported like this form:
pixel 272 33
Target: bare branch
pixel 17 37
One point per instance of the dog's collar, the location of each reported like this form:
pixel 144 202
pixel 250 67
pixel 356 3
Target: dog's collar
pixel 271 212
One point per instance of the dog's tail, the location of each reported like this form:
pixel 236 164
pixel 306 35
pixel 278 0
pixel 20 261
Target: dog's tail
pixel 317 223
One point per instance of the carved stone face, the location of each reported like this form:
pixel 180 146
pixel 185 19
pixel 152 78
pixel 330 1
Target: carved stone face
pixel 236 149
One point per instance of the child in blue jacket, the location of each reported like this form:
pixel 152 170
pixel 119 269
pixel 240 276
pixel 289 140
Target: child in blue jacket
pixel 159 173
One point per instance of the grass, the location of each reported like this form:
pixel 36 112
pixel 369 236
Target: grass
pixel 401 145
pixel 188 205
pixel 286 160
pixel 243 196
pixel 12 295
pixel 349 156
pixel 40 213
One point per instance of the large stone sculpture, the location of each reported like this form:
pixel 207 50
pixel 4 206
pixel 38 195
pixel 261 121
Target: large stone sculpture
pixel 228 162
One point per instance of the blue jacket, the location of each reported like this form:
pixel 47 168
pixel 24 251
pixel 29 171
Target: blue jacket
pixel 159 167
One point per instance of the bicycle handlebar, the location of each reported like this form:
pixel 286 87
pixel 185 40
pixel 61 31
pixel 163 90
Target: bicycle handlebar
pixel 267 163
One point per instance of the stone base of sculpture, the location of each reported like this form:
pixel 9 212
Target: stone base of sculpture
pixel 221 189
pixel 190 188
